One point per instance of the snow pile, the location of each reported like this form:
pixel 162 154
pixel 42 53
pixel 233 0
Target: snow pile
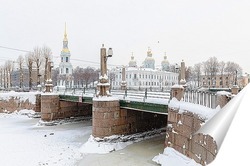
pixel 26 112
pixel 115 142
pixel 93 146
pixel 204 112
pixel 171 157
pixel 23 96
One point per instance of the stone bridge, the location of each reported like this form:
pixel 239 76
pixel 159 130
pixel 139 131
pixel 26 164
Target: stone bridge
pixel 110 116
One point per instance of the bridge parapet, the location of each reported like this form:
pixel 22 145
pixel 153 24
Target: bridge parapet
pixel 181 129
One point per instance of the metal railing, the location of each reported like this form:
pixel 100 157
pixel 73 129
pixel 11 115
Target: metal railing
pixel 121 94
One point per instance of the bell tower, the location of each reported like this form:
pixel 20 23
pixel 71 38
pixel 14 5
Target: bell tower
pixel 65 77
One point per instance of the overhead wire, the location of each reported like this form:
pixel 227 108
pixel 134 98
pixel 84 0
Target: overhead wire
pixel 21 50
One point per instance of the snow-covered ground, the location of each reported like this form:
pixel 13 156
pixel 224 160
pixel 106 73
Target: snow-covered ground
pixel 171 157
pixel 23 143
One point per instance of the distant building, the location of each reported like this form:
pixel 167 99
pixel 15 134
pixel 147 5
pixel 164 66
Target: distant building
pixel 223 81
pixel 65 77
pixel 140 78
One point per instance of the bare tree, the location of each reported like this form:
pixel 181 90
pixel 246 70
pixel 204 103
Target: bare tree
pixel 211 67
pixel 20 62
pixel 198 71
pixel 29 63
pixel 4 76
pixel 78 76
pixel 233 69
pixel 37 58
pixel 222 65
pixel 188 73
pixel 1 76
pixel 87 74
pixel 55 73
pixel 9 69
pixel 46 53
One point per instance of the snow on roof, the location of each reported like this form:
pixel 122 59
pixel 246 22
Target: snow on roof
pixel 204 112
pixel 31 96
pixel 171 157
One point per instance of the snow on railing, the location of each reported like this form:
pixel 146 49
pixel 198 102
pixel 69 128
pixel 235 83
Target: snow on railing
pixel 122 94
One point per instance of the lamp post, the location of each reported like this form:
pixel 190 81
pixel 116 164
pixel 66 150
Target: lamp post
pixel 103 85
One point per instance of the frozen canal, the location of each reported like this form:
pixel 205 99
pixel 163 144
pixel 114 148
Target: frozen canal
pixel 23 142
pixel 140 153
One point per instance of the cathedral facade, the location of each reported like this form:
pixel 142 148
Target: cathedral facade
pixel 145 76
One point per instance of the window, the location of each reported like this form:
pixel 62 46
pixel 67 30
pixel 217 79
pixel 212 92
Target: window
pixel 67 59
pixel 134 76
pixel 61 59
pixel 67 70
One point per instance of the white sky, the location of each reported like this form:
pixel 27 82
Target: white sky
pixel 192 30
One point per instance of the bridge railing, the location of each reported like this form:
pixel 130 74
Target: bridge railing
pixel 121 94
pixel 208 99
pixel 141 94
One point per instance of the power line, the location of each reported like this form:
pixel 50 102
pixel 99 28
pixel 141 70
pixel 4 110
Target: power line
pixel 15 49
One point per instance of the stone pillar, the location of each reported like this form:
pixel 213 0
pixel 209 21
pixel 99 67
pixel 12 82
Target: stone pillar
pixel 49 107
pixel 182 79
pixel 177 91
pixel 103 85
pixel 222 99
pixel 49 84
pixel 235 90
pixel 38 103
pixel 106 118
pixel 123 83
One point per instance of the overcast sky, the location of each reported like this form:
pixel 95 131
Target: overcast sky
pixel 192 30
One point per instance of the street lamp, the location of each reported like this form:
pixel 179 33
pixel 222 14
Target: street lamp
pixel 103 84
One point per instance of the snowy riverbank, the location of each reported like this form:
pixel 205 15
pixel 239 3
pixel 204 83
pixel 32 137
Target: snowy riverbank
pixel 24 141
